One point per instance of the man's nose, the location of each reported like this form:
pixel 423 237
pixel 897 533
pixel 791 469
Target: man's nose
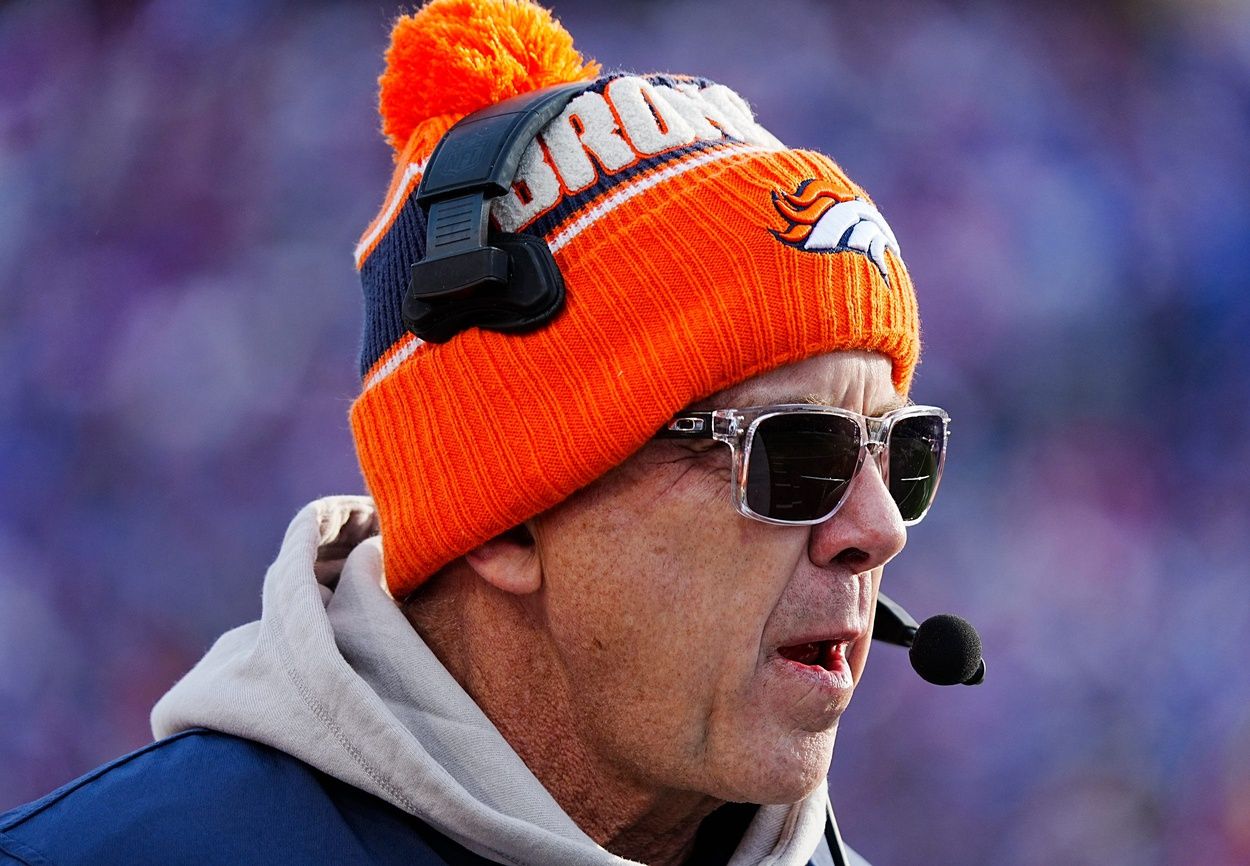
pixel 866 532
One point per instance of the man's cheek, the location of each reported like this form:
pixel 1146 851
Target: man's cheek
pixel 690 485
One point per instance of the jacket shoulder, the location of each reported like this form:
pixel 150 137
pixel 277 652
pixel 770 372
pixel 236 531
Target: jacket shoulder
pixel 206 798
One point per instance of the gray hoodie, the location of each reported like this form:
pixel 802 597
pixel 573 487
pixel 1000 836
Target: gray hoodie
pixel 334 675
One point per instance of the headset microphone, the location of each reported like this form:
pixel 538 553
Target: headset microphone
pixel 944 649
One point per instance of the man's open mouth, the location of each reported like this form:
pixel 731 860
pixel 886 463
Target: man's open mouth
pixel 827 654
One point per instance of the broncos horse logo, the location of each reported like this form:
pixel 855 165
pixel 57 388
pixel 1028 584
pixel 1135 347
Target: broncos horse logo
pixel 823 218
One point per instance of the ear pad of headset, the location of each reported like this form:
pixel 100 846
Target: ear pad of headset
pixel 532 296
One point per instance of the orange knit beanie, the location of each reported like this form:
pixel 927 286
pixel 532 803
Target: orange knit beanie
pixel 696 251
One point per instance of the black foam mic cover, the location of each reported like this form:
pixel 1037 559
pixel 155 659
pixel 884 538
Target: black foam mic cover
pixel 947 651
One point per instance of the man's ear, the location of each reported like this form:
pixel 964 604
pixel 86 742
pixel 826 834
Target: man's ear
pixel 509 561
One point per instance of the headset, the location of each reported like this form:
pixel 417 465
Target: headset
pixel 473 276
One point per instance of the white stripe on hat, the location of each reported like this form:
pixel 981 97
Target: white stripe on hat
pixel 620 196
pixel 388 213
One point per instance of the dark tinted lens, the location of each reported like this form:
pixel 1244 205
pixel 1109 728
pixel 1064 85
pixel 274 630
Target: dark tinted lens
pixel 916 446
pixel 800 465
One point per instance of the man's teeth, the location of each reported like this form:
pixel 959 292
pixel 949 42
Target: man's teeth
pixel 815 653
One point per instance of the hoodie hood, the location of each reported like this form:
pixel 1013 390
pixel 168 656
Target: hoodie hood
pixel 334 674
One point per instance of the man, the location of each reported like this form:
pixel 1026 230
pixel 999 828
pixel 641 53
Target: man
pixel 616 579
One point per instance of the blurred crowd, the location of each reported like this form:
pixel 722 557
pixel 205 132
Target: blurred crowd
pixel 181 186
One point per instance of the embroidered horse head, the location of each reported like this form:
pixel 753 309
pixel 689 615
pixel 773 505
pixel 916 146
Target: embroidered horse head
pixel 823 217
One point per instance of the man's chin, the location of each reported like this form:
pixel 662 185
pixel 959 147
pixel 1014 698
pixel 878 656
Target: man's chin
pixel 785 773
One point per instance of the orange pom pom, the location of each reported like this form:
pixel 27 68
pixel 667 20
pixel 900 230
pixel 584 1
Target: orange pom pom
pixel 453 57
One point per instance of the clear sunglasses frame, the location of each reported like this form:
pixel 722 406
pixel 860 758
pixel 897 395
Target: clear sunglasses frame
pixel 736 428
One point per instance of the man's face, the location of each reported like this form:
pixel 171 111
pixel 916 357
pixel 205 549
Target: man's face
pixel 668 608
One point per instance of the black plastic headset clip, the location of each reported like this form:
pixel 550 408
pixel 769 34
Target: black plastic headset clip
pixel 469 276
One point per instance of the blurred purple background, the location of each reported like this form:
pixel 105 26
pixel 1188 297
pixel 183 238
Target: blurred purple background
pixel 181 186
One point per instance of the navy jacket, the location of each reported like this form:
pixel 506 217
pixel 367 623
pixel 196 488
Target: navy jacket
pixel 206 798
pixel 201 797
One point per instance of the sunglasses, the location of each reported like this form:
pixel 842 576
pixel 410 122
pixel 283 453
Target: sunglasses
pixel 793 464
